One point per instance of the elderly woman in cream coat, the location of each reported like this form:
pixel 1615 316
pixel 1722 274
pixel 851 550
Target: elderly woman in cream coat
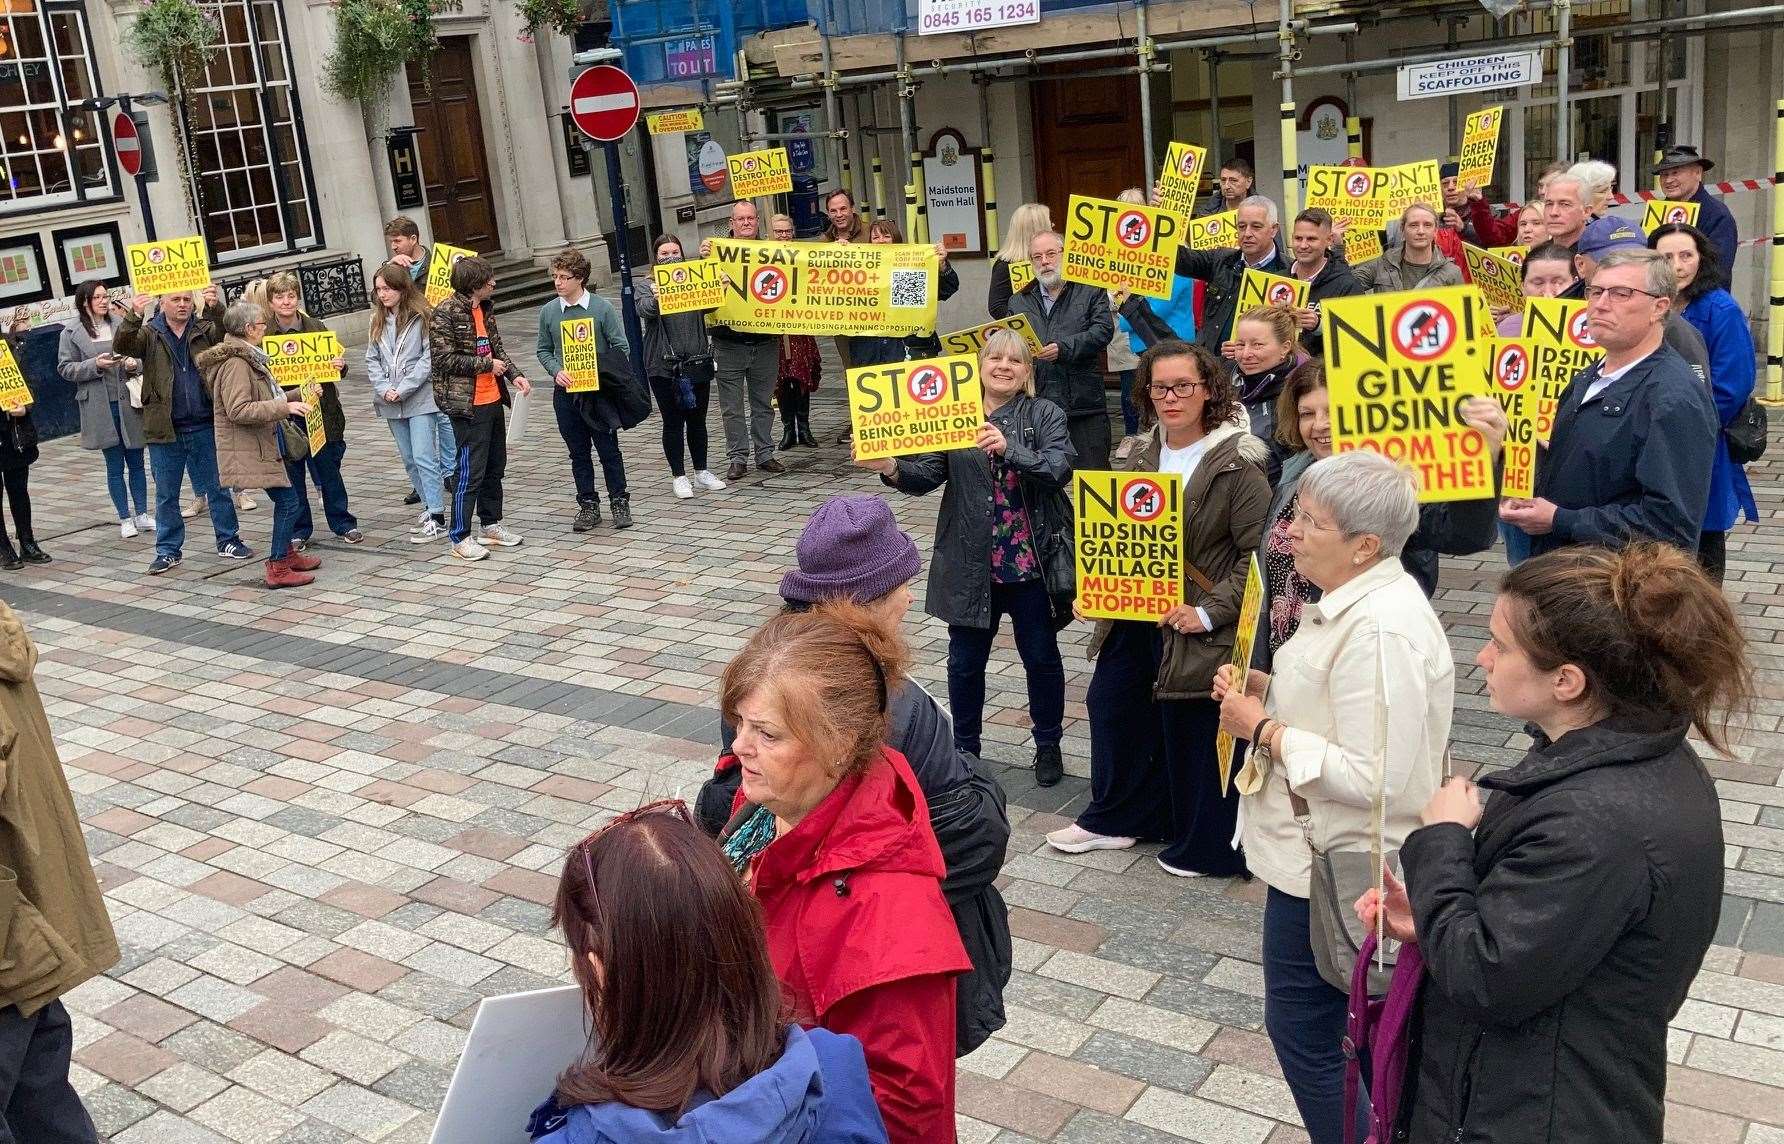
pixel 1356 710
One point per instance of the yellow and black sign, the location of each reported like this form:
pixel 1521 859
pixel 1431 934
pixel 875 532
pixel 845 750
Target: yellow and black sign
pixel 1258 288
pixel 1021 274
pixel 1251 607
pixel 1515 386
pixel 675 122
pixel 439 270
pixel 14 393
pixel 1512 254
pixel 1121 246
pixel 310 393
pixel 170 266
pixel 1480 147
pixel 578 339
pixel 1130 544
pixel 1399 367
pixel 294 359
pixel 1499 279
pixel 1659 212
pixel 1560 347
pixel 1215 231
pixel 1180 180
pixel 827 288
pixel 909 407
pixel 757 173
pixel 1372 197
pixel 685 286
pixel 1362 246
pixel 972 340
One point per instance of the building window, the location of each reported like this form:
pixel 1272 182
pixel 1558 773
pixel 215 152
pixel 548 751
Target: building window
pixel 245 132
pixel 48 154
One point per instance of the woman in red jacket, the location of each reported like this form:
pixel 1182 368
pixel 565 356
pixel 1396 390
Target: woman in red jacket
pixel 832 833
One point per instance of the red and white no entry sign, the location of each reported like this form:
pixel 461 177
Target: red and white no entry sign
pixel 127 144
pixel 604 103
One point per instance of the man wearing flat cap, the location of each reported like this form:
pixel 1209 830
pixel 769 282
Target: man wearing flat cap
pixel 1681 171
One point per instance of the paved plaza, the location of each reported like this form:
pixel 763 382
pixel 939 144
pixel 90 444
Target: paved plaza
pixel 329 820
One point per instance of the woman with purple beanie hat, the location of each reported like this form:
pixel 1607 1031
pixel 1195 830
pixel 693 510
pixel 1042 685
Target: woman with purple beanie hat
pixel 852 547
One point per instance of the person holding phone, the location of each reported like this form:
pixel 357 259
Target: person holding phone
pixel 110 423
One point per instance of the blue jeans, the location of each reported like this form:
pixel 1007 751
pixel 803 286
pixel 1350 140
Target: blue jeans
pixel 969 650
pixel 418 441
pixel 325 467
pixel 1130 414
pixel 286 504
pixel 117 457
pixel 1517 543
pixel 579 437
pixel 1306 1020
pixel 193 450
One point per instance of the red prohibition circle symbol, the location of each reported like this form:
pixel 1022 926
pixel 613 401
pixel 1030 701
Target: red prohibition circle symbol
pixel 926 385
pixel 1142 499
pixel 1423 330
pixel 1356 186
pixel 157 254
pixel 1281 293
pixel 768 285
pixel 1512 368
pixel 1579 331
pixel 1676 214
pixel 678 275
pixel 1132 229
pixel 288 346
pixel 1187 167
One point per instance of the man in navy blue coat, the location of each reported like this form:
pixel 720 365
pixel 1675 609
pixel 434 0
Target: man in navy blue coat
pixel 1681 171
pixel 1635 433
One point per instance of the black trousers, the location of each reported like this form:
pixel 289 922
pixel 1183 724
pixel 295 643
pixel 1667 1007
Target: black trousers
pixel 14 482
pixel 40 1106
pixel 794 401
pixel 682 425
pixel 579 438
pixel 481 463
pixel 1712 554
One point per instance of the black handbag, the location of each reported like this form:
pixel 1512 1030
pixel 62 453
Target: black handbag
pixel 1746 434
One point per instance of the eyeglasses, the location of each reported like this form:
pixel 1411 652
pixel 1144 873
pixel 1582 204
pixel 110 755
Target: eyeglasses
pixel 1183 389
pixel 673 807
pixel 1304 519
pixel 1618 294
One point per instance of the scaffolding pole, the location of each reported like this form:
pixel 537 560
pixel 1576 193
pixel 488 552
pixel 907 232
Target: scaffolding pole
pixel 990 169
pixel 907 133
pixel 839 148
pixel 1774 334
pixel 1563 68
pixel 1291 170
pixel 1214 156
pixel 1143 50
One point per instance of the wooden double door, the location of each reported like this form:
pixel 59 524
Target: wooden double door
pixel 1087 135
pixel 461 209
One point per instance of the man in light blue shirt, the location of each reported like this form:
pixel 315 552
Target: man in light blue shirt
pixel 580 420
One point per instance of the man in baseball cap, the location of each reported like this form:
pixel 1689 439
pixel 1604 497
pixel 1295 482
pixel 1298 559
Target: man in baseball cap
pixel 1681 171
pixel 1603 235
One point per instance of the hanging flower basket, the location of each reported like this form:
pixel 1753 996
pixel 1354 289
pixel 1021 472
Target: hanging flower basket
pixel 373 40
pixel 175 38
pixel 559 16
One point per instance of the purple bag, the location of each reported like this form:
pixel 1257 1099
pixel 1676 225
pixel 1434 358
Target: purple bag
pixel 1382 1028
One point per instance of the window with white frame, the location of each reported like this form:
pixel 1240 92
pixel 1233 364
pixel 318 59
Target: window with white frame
pixel 245 132
pixel 49 154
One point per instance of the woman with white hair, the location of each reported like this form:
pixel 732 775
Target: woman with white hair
pixel 1347 741
pixel 1597 179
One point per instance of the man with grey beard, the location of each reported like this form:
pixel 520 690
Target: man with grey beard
pixel 1073 323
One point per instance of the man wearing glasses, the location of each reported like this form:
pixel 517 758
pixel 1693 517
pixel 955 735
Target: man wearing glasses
pixel 1635 433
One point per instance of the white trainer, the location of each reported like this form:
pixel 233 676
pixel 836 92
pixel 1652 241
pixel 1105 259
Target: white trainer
pixel 500 534
pixel 126 528
pixel 145 522
pixel 469 549
pixel 424 533
pixel 707 481
pixel 683 488
pixel 1074 839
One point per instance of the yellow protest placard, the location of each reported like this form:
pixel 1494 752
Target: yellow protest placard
pixel 1021 274
pixel 1419 182
pixel 1129 544
pixel 170 266
pixel 1499 280
pixel 1362 246
pixel 577 338
pixel 756 173
pixel 14 392
pixel 294 359
pixel 439 270
pixel 310 393
pixel 685 286
pixel 1215 231
pixel 1180 180
pixel 1121 246
pixel 1372 197
pixel 675 122
pixel 1659 212
pixel 1258 288
pixel 1560 347
pixel 1399 367
pixel 907 407
pixel 1251 607
pixel 1512 254
pixel 972 340
pixel 826 288
pixel 1511 368
pixel 1480 147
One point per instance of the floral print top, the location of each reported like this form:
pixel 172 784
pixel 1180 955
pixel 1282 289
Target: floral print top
pixel 1013 556
pixel 1287 590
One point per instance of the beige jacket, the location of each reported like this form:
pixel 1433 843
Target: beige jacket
pixel 1369 657
pixel 54 931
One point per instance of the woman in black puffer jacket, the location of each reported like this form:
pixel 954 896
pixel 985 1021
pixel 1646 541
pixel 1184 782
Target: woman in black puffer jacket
pixel 1561 927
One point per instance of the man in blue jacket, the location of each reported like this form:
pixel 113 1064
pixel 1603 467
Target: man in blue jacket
pixel 1681 171
pixel 1635 433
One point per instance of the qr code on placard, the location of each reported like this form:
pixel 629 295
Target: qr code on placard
pixel 910 289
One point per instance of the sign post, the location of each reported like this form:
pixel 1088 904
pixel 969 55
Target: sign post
pixel 127 142
pixel 604 105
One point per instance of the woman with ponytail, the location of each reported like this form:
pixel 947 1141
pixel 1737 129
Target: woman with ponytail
pixel 831 833
pixel 1561 927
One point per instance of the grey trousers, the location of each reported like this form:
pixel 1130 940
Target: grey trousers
pixel 747 377
pixel 37 1104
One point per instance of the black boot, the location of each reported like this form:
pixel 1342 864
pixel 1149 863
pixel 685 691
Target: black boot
pixel 588 513
pixel 9 559
pixel 622 510
pixel 789 435
pixel 1049 768
pixel 30 553
pixel 802 422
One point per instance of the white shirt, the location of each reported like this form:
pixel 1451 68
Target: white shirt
pixel 1184 462
pixel 582 301
pixel 1604 380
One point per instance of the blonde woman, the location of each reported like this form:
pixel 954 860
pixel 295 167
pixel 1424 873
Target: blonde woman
pixel 1026 221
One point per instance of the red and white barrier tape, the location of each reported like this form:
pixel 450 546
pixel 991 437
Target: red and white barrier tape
pixel 1714 188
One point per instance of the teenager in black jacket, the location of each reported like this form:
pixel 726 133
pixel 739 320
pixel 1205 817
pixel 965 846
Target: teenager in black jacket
pixel 1562 927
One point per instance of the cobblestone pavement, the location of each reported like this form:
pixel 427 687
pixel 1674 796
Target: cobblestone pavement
pixel 328 821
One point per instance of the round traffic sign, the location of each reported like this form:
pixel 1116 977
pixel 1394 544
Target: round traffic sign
pixel 127 144
pixel 604 103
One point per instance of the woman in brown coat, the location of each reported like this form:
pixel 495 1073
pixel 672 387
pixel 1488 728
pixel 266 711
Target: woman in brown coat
pixel 257 440
pixel 1152 722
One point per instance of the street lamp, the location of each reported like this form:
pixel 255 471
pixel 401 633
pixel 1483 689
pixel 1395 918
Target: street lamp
pixel 126 102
